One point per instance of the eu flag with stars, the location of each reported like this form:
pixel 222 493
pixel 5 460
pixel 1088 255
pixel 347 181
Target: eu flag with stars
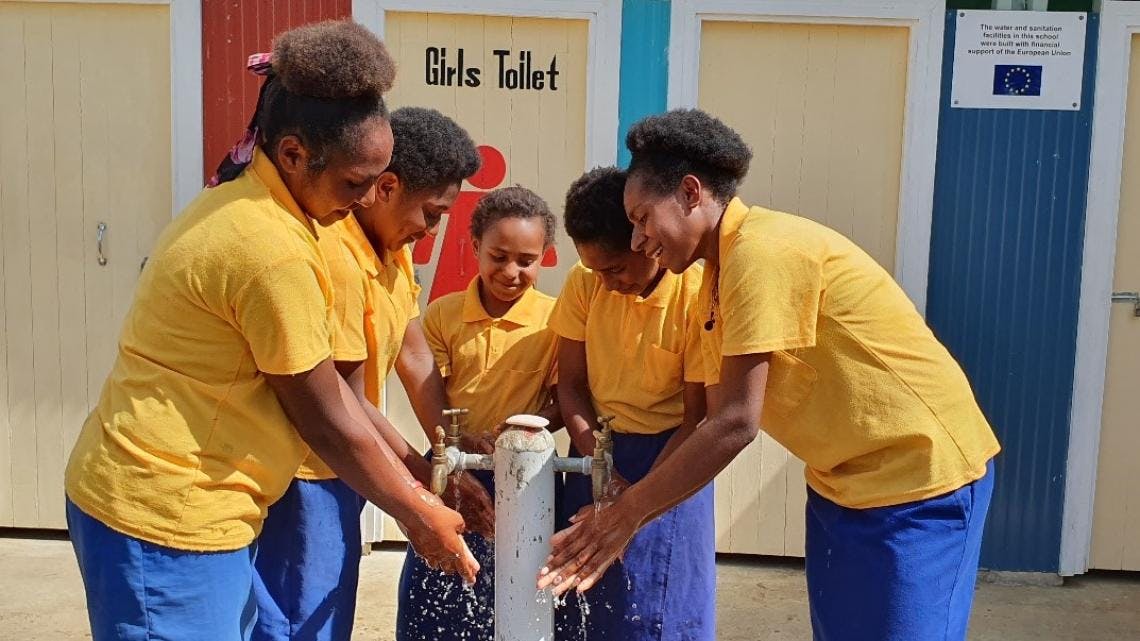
pixel 1017 80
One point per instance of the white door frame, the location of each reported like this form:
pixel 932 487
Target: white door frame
pixel 924 19
pixel 1118 22
pixel 186 128
pixel 185 94
pixel 604 52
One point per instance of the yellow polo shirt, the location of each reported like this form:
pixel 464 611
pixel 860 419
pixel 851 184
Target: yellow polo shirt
pixel 494 367
pixel 858 387
pixel 188 445
pixel 374 300
pixel 640 352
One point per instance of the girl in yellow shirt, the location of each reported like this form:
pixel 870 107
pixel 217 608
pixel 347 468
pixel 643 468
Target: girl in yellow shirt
pixel 223 379
pixel 629 347
pixel 497 358
pixel 308 556
pixel 807 336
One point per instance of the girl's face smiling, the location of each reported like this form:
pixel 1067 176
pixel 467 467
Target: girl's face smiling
pixel 399 217
pixel 663 225
pixel 509 254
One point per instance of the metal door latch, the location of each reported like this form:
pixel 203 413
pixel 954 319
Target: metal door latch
pixel 1128 297
pixel 100 231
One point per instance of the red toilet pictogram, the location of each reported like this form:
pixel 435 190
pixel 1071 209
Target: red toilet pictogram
pixel 457 263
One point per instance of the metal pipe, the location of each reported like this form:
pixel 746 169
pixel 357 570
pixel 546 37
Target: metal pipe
pixel 458 461
pixel 581 465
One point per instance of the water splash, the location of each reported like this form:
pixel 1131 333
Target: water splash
pixel 583 614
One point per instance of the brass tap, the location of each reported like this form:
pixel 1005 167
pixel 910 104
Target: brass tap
pixel 455 429
pixel 439 463
pixel 601 468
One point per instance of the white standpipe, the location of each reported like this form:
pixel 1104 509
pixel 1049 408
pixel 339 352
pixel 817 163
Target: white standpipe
pixel 524 464
pixel 524 523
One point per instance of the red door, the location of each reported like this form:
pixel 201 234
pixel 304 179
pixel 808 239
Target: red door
pixel 231 31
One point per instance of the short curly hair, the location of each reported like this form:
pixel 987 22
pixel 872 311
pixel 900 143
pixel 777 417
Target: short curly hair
pixel 595 211
pixel 669 146
pixel 431 151
pixel 512 202
pixel 328 80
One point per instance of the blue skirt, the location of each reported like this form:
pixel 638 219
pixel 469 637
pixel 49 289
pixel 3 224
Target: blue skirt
pixel 664 588
pixel 139 591
pixel 308 564
pixel 899 573
pixel 434 606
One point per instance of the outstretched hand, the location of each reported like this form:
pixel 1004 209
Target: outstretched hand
pixel 584 551
pixel 436 535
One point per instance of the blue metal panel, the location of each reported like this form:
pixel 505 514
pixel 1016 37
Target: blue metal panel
pixel 644 64
pixel 1005 268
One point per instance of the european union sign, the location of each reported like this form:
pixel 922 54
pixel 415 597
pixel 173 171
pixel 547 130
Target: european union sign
pixel 1026 60
pixel 1017 80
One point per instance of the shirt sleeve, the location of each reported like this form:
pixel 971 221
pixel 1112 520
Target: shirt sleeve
pixel 552 365
pixel 572 309
pixel 770 292
pixel 437 339
pixel 413 282
pixel 283 313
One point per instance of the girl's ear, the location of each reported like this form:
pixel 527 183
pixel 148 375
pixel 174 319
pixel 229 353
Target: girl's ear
pixel 690 192
pixel 292 156
pixel 475 245
pixel 386 186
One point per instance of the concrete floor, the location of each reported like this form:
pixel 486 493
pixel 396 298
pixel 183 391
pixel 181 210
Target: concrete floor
pixel 41 599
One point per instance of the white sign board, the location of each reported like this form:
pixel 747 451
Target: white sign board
pixel 1019 60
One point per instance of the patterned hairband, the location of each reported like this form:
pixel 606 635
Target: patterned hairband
pixel 241 154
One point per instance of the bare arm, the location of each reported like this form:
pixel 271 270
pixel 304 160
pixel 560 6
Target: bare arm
pixel 573 390
pixel 552 411
pixel 416 464
pixel 583 551
pixel 695 408
pixel 330 420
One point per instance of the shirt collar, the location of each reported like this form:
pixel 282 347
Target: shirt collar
pixel 733 218
pixel 267 173
pixel 660 295
pixel 403 261
pixel 362 250
pixel 524 312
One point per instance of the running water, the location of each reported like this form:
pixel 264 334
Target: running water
pixel 583 613
pixel 458 496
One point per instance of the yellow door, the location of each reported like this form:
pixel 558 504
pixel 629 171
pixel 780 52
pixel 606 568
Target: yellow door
pixel 822 107
pixel 1116 512
pixel 518 85
pixel 84 142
